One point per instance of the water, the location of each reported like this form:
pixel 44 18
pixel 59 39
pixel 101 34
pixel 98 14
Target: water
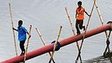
pixel 48 15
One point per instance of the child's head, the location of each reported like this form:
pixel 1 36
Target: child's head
pixel 79 3
pixel 20 22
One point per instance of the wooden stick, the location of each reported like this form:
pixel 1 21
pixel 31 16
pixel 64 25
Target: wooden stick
pixel 44 43
pixel 70 20
pixel 39 34
pixel 100 17
pixel 88 22
pixel 28 41
pixel 86 29
pixel 72 28
pixel 12 25
pixel 99 14
pixel 56 43
pixel 101 20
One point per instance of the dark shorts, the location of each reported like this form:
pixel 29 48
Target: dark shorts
pixel 22 45
pixel 79 21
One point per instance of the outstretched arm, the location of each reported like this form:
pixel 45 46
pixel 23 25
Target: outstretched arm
pixel 87 14
pixel 15 29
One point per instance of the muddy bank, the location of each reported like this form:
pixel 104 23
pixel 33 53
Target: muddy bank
pixel 101 59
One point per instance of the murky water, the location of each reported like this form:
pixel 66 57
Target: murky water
pixel 47 16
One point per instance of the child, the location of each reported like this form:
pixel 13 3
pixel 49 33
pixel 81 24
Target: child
pixel 21 36
pixel 80 17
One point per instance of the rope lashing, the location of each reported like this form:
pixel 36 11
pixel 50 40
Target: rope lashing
pixel 58 45
pixel 43 41
pixel 55 44
pixel 110 22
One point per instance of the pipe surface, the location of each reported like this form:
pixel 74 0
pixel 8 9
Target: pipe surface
pixel 63 42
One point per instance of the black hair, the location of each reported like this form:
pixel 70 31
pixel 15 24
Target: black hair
pixel 79 3
pixel 20 22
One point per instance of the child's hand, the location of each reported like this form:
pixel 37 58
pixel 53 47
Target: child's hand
pixel 29 35
pixel 89 15
pixel 13 28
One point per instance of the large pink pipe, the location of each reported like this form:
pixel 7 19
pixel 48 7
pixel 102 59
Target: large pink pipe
pixel 63 42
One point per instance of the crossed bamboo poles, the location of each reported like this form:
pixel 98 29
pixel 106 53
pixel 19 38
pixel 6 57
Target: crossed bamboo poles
pixel 107 35
pixel 69 19
pixel 79 54
pixel 55 44
pixel 79 49
pixel 57 40
pixel 101 20
pixel 26 49
pixel 40 36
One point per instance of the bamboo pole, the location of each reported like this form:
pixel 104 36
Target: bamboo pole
pixel 28 41
pixel 86 29
pixel 56 43
pixel 63 42
pixel 12 25
pixel 40 35
pixel 72 29
pixel 101 20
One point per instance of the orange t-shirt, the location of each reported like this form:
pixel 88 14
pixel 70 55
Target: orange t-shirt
pixel 80 13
